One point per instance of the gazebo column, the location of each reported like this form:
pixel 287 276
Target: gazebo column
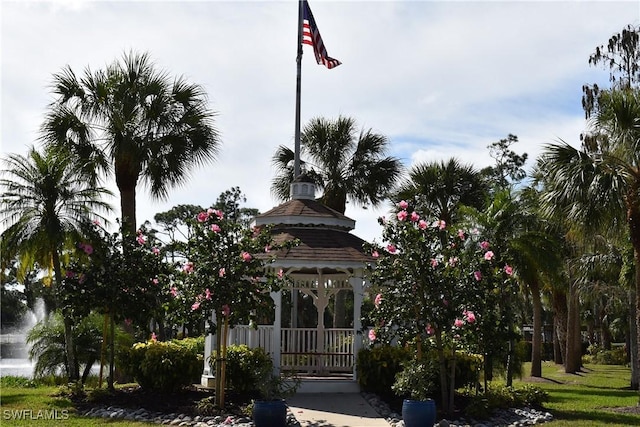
pixel 357 284
pixel 207 379
pixel 276 345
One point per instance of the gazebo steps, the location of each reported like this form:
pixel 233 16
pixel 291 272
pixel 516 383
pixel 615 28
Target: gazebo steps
pixel 328 384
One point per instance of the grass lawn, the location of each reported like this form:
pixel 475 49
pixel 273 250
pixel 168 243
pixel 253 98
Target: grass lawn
pixel 586 398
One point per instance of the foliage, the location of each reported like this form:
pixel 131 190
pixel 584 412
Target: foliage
pixel 600 356
pixel 438 285
pixel 48 345
pixel 245 367
pixel 503 397
pixel 193 344
pixel 418 379
pixel 162 366
pixel 17 382
pixel 378 366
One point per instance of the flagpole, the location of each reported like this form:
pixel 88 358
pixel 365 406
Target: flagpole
pixel 296 161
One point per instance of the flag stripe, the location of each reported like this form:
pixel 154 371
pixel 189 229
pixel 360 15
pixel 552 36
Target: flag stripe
pixel 311 36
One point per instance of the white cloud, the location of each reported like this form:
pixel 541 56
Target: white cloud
pixel 439 78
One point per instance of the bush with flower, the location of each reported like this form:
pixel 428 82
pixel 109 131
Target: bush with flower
pixel 227 273
pixel 439 286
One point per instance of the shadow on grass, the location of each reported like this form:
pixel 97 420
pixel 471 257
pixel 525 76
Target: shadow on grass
pixel 598 418
pixel 562 394
pixel 11 398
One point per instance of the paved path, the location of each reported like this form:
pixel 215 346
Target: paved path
pixel 334 410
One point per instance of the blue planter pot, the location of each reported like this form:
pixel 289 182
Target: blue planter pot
pixel 270 413
pixel 419 413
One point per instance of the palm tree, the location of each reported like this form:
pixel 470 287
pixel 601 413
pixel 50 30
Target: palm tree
pixel 441 188
pixel 135 122
pixel 345 164
pixel 47 204
pixel 597 186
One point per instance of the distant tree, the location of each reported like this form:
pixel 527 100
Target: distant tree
pixel 508 168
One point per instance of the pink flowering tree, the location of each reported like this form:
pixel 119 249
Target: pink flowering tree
pixel 227 273
pixel 437 286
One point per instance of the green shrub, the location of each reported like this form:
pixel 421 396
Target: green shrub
pixel 501 397
pixel 194 345
pixel 245 367
pixel 162 366
pixel 598 356
pixel 377 367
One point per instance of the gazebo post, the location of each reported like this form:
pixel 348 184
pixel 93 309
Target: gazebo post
pixel 357 284
pixel 276 345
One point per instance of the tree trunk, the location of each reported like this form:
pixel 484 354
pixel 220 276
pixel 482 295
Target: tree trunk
pixel 536 339
pixel 73 369
pixel 126 180
pixel 572 360
pixel 560 308
pixel 632 348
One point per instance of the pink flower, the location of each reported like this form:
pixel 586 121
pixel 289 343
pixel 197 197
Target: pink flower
pixel 428 329
pixel 154 337
pixel 155 250
pixel 508 270
pixel 488 255
pixel 246 256
pixel 453 261
pixel 392 248
pixel 422 224
pixel 226 310
pixel 96 222
pixel 87 248
pixel 402 215
pixel 477 275
pixel 69 274
pixel 377 300
pixel 484 245
pixel 280 274
pixel 458 323
pixel 267 248
pixel 229 420
pixel 222 272
pixel 195 306
pixel 219 213
pixel 414 216
pixel 155 280
pixel 188 267
pixel 403 204
pixel 203 216
pixel 461 234
pixel 207 294
pixel 471 317
pixel 127 322
pixel 375 254
pixel 434 262
pixel 372 335
pixel 441 224
pixel 174 292
pixel 141 239
pixel 445 302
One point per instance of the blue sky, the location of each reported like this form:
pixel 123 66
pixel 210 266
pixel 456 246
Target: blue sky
pixel 440 79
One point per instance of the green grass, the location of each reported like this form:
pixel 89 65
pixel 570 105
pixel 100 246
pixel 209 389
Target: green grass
pixel 585 399
pixel 25 403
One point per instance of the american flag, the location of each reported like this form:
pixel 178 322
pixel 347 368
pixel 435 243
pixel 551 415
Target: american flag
pixel 311 36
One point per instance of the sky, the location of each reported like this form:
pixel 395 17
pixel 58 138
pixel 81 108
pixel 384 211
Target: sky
pixel 440 79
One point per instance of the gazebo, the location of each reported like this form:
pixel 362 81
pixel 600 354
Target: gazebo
pixel 327 260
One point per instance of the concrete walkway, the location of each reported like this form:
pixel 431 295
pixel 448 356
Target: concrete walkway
pixel 334 410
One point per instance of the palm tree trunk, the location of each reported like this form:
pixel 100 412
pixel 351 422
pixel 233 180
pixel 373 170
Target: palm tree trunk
pixel 560 317
pixel 72 365
pixel 632 348
pixel 126 182
pixel 536 339
pixel 572 360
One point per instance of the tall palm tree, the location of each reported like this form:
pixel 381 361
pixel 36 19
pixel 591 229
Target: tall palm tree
pixel 46 204
pixel 134 122
pixel 441 188
pixel 345 164
pixel 598 185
